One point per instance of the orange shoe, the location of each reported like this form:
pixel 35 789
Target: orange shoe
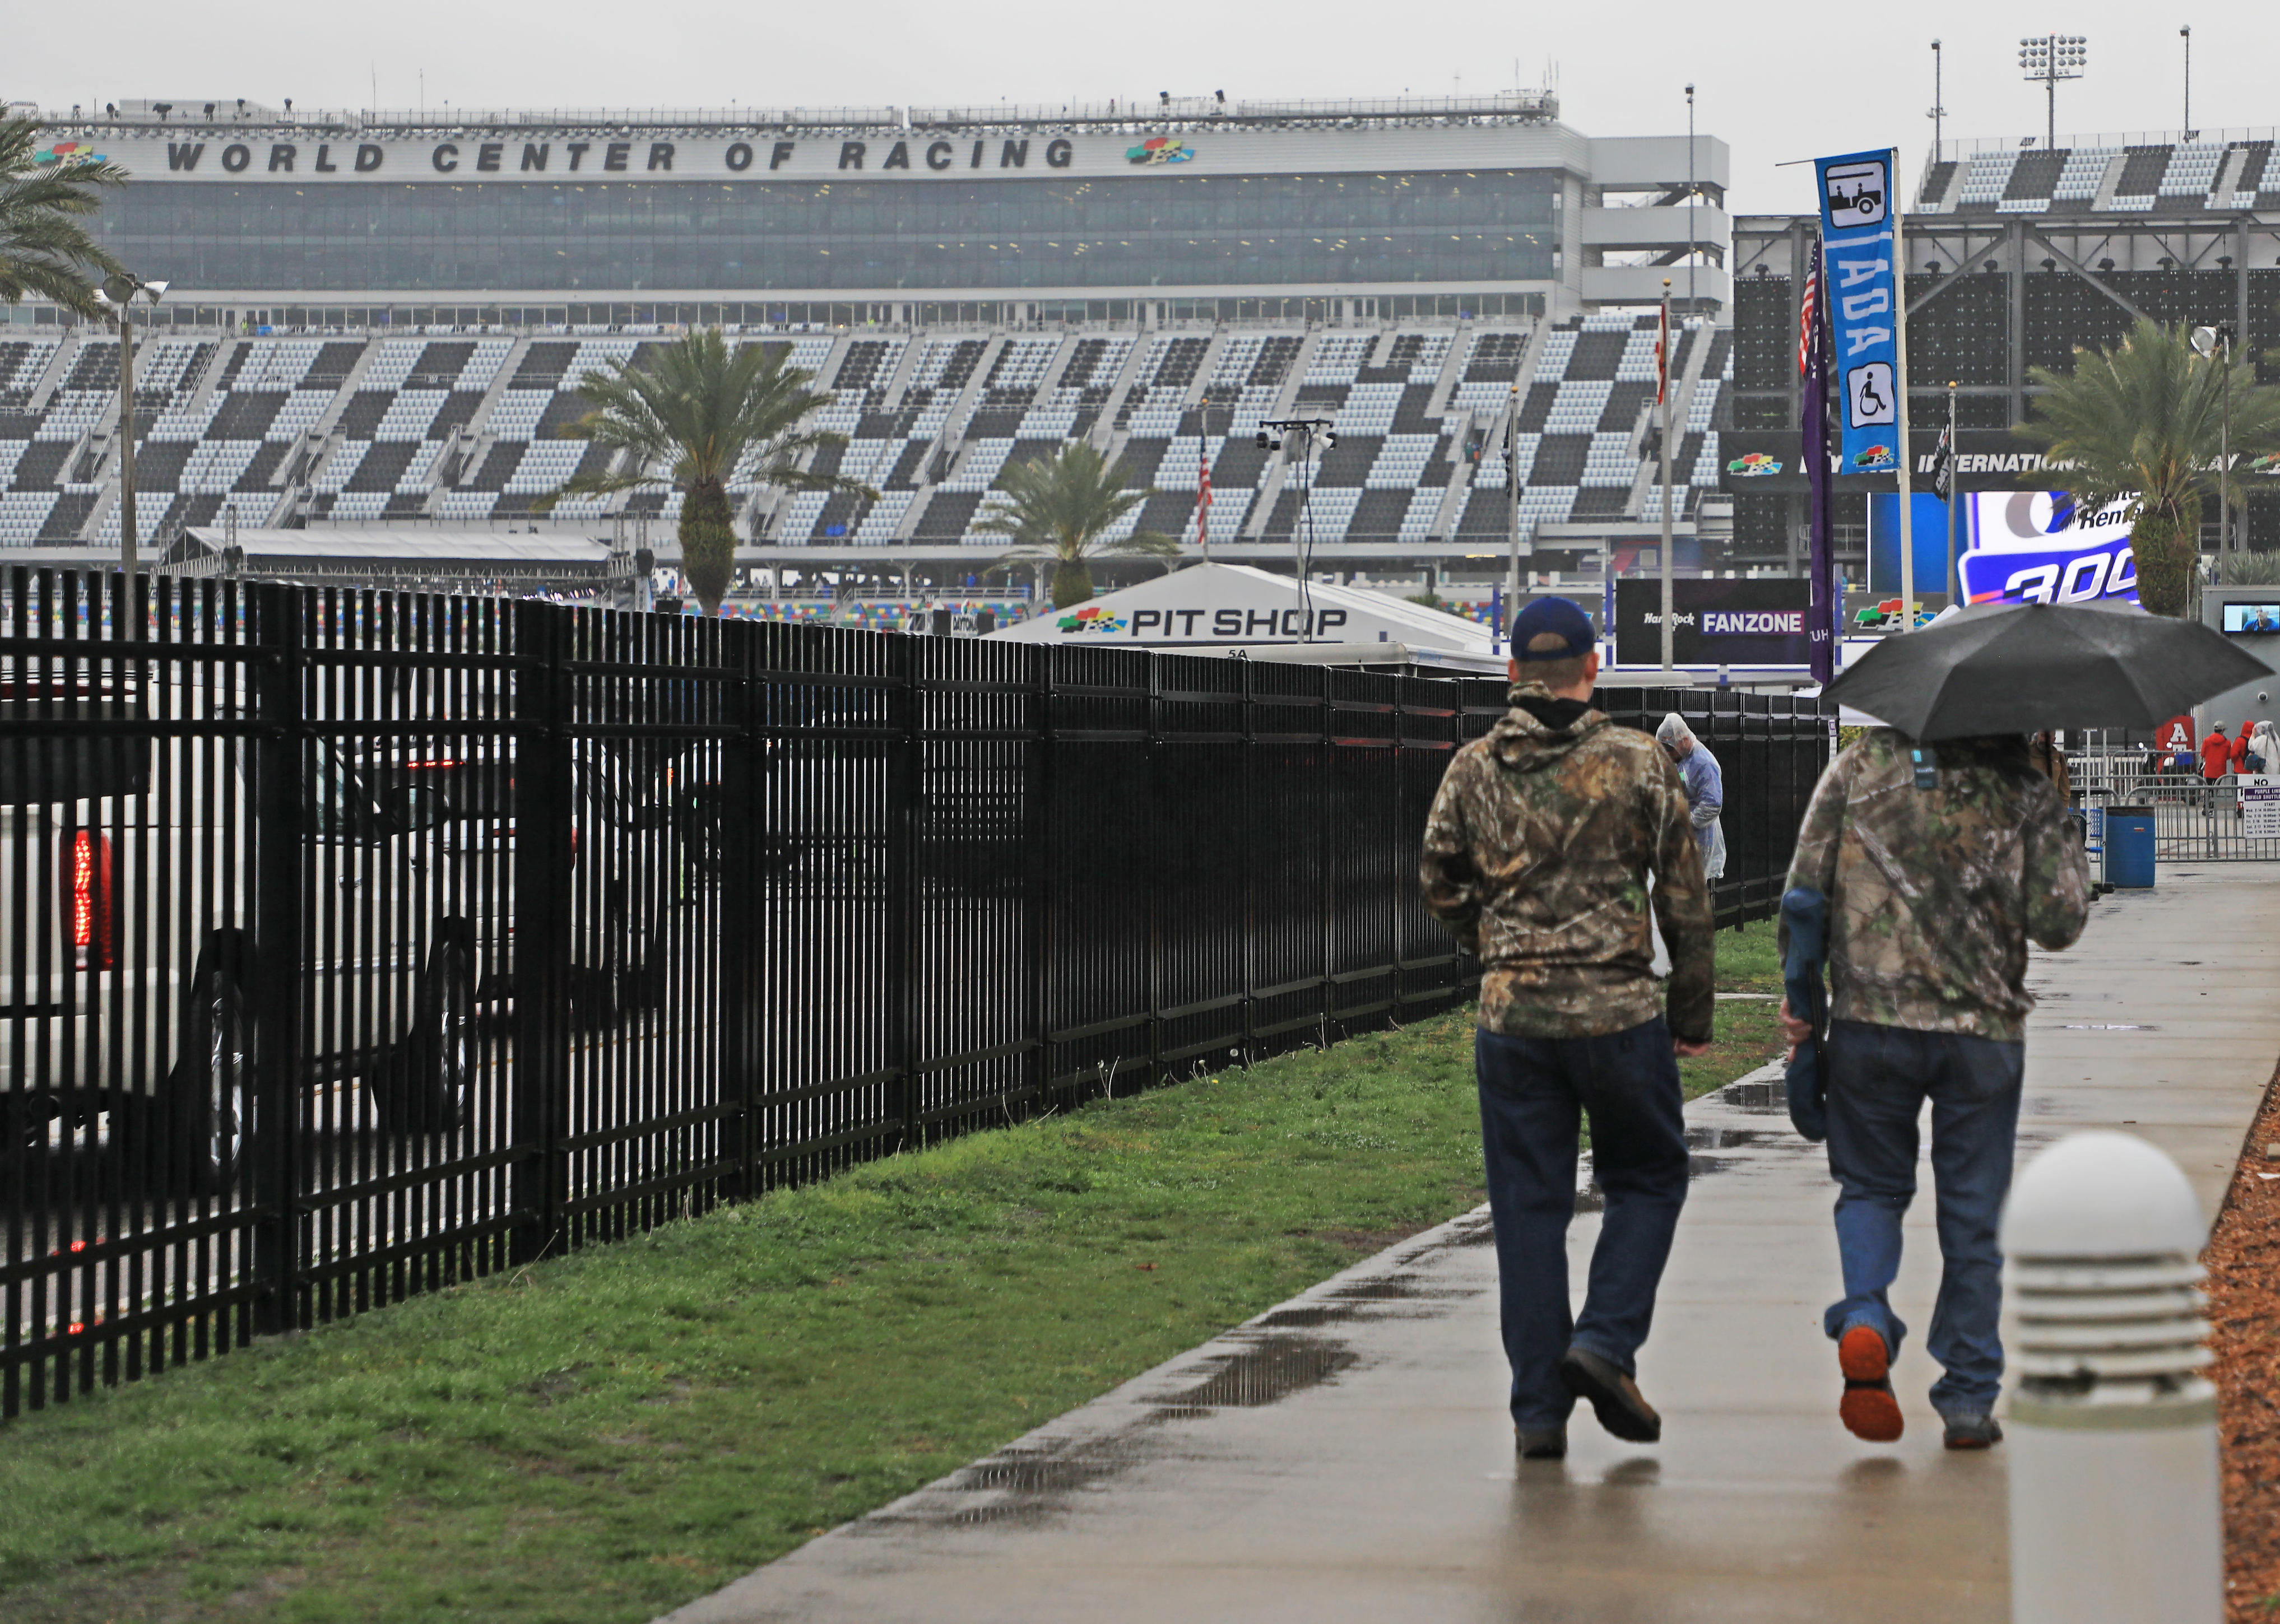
pixel 1870 1409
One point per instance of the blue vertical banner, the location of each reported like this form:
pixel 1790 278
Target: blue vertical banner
pixel 1862 295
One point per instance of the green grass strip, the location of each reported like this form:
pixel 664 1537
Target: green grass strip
pixel 606 1435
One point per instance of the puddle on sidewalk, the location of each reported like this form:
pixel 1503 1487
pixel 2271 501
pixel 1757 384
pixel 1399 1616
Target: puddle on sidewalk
pixel 1030 1484
pixel 1767 1097
pixel 1264 1373
pixel 1708 1138
pixel 1014 1485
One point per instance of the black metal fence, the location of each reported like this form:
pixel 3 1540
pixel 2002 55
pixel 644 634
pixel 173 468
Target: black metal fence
pixel 355 944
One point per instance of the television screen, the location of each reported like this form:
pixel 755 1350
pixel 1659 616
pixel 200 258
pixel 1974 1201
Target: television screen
pixel 2253 618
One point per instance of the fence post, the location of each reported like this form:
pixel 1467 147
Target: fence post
pixel 279 853
pixel 740 903
pixel 1326 848
pixel 1039 870
pixel 1154 768
pixel 542 953
pixel 904 787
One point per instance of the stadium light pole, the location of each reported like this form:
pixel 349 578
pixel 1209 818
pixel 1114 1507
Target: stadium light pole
pixel 2048 62
pixel 117 295
pixel 1689 202
pixel 2206 340
pixel 2186 129
pixel 1938 101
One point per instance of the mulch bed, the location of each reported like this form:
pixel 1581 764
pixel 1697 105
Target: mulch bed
pixel 2244 1289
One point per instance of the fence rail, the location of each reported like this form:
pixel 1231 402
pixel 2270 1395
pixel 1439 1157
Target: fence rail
pixel 355 943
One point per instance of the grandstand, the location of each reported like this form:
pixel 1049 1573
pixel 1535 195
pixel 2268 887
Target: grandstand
pixel 2018 254
pixel 382 319
pixel 290 431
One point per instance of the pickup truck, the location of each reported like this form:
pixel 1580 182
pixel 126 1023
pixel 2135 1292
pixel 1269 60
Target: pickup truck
pixel 131 975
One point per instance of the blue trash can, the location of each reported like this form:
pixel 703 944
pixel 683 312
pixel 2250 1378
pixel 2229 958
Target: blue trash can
pixel 2130 847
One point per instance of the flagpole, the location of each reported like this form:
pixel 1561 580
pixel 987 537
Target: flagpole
pixel 1203 479
pixel 1901 366
pixel 1954 565
pixel 1512 493
pixel 1662 394
pixel 1813 366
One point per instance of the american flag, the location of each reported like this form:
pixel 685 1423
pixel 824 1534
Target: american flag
pixel 1662 355
pixel 1805 313
pixel 1203 493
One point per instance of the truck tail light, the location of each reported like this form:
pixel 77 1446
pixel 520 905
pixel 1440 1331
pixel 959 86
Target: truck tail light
pixel 87 899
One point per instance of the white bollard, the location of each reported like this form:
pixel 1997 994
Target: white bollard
pixel 2115 1514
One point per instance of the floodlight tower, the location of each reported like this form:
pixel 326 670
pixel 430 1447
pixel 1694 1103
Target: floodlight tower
pixel 2048 60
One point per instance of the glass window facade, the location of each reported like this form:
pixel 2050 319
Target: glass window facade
pixel 1166 231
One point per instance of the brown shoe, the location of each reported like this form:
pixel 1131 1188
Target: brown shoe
pixel 1614 1396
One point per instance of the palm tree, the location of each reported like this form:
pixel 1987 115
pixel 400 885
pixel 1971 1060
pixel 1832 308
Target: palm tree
pixel 44 249
pixel 696 416
pixel 1062 508
pixel 2145 419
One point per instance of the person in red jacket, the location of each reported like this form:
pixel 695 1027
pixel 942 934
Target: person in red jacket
pixel 2216 754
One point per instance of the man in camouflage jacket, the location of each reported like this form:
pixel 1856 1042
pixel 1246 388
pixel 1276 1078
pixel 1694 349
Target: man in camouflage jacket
pixel 1537 856
pixel 1940 863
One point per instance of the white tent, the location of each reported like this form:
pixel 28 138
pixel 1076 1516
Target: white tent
pixel 1217 607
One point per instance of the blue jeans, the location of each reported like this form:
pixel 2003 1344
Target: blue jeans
pixel 1878 1079
pixel 1533 1092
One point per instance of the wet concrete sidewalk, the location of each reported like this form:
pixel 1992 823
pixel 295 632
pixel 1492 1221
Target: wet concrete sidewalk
pixel 1346 1455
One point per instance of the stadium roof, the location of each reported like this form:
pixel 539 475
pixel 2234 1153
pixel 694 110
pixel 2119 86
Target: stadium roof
pixel 218 115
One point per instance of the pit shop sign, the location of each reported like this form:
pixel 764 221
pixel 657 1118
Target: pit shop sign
pixel 2041 547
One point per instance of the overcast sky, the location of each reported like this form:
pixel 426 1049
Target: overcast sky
pixel 1775 81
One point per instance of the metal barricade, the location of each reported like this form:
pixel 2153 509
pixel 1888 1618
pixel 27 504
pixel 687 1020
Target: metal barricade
pixel 2195 818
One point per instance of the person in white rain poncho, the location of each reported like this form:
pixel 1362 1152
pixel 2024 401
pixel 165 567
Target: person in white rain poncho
pixel 1705 789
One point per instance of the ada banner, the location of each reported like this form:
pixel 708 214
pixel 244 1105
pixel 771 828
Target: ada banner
pixel 2039 547
pixel 1716 622
pixel 1856 234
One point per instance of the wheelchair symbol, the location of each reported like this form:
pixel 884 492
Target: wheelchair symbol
pixel 1870 395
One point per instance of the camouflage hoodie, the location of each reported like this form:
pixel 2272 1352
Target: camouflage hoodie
pixel 1935 892
pixel 1537 857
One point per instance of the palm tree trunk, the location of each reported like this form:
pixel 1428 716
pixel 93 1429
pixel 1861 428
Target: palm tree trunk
pixel 1072 582
pixel 2166 547
pixel 708 542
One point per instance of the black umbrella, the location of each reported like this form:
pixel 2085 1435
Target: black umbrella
pixel 2022 667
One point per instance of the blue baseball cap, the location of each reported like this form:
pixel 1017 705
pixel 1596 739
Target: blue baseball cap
pixel 1560 616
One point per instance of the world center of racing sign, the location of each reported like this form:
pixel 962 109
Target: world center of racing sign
pixel 284 154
